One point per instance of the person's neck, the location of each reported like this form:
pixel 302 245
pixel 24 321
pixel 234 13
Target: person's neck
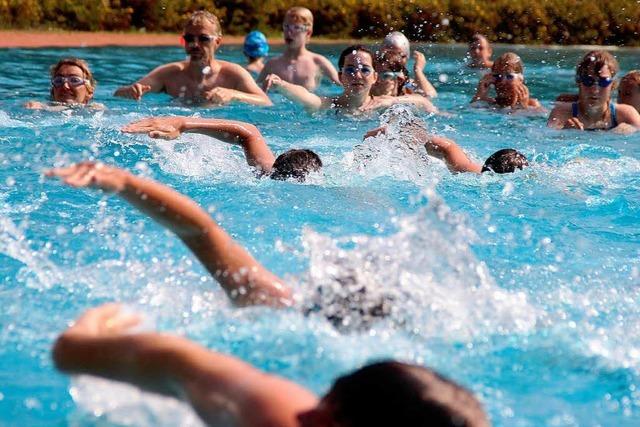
pixel 198 69
pixel 294 52
pixel 353 101
pixel 257 61
pixel 593 112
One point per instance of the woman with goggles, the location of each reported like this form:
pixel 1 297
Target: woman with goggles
pixel 594 108
pixel 72 84
pixel 507 77
pixel 357 76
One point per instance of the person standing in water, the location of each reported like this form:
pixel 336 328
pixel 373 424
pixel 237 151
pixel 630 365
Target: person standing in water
pixel 297 64
pixel 595 109
pixel 201 78
pixel 255 48
pixel 479 53
pixel 357 75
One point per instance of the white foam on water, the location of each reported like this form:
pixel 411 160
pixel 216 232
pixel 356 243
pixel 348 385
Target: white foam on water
pixel 423 279
pixel 7 122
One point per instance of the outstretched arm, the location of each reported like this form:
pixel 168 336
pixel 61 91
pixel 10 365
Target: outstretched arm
pixel 99 343
pixel 294 92
pixel 244 279
pixel 328 70
pixel 246 135
pixel 152 82
pixel 423 83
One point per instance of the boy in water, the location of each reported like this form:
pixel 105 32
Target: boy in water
pixel 201 78
pixel 224 390
pixel 255 48
pixel 298 65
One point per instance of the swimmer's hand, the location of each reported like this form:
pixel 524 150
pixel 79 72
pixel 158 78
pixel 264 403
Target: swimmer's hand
pixel 134 91
pixel 573 123
pixel 92 174
pixel 220 95
pixel 272 80
pixel 35 105
pixel 420 61
pixel 106 320
pixel 382 130
pixel 482 92
pixel 158 127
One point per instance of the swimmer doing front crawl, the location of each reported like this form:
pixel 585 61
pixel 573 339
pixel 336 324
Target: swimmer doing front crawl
pixel 223 389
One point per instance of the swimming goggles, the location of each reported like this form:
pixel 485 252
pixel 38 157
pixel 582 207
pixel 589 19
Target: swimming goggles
pixel 390 75
pixel 202 38
pixel 352 70
pixel 507 76
pixel 589 81
pixel 74 81
pixel 295 28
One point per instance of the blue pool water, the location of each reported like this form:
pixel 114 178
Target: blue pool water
pixel 525 288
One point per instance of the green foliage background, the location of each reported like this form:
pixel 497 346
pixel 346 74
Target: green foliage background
pixel 614 22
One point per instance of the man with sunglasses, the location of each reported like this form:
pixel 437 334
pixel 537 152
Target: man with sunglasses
pixel 298 65
pixel 201 79
pixel 594 109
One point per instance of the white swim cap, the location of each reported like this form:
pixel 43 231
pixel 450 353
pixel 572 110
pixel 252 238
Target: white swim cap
pixel 398 40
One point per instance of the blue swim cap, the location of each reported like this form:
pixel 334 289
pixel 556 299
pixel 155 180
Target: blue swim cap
pixel 255 45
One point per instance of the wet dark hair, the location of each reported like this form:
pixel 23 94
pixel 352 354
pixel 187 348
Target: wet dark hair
pixel 597 59
pixel 295 164
pixel 506 160
pixel 391 393
pixel 350 50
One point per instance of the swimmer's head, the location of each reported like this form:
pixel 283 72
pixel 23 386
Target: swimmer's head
pixel 392 393
pixel 595 77
pixel 392 73
pixel 508 63
pixel 72 81
pixel 507 70
pixel 398 42
pixel 255 45
pixel 202 17
pixel 629 89
pixel 296 164
pixel 297 26
pixel 506 160
pixel 355 69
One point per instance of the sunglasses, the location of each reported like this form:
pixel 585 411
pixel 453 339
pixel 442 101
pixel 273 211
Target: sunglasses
pixel 295 28
pixel 202 38
pixel 74 81
pixel 390 75
pixel 352 70
pixel 589 81
pixel 508 76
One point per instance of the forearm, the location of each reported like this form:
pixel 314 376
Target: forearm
pixel 251 98
pixel 424 84
pixel 453 156
pixel 300 95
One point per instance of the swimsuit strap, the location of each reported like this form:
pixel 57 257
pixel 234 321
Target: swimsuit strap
pixel 614 114
pixel 574 109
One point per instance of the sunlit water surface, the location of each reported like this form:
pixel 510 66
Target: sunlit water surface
pixel 524 288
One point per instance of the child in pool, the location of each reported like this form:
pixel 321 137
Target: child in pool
pixel 594 108
pixel 72 84
pixel 357 76
pixel 224 390
pixel 297 65
pixel 255 48
pixel 507 76
pixel 201 78
pixel 479 53
pixel 396 46
pixel 629 90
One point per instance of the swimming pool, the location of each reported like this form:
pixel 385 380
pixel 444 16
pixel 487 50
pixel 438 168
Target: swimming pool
pixel 524 288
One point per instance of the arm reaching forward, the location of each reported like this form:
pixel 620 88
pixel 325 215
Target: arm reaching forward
pixel 99 343
pixel 246 135
pixel 244 279
pixel 296 93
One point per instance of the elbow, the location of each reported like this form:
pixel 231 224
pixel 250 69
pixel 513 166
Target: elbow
pixel 62 353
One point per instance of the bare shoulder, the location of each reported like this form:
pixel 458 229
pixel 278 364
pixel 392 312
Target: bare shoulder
pixel 626 111
pixel 230 67
pixel 172 67
pixel 319 59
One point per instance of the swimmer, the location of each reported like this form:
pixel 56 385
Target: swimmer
pixel 72 84
pixel 296 164
pixel 594 109
pixel 393 76
pixel 396 45
pixel 507 77
pixel 479 53
pixel 298 65
pixel 255 48
pixel 224 390
pixel 201 78
pixel 502 161
pixel 357 76
pixel 629 90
